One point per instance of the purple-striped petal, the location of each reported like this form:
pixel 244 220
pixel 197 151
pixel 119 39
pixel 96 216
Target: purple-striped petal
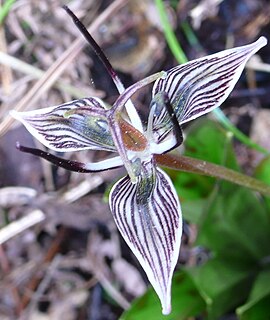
pixel 199 86
pixel 148 215
pixel 73 126
pixel 163 136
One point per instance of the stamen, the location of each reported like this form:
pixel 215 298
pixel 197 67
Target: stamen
pixel 176 126
pixel 114 117
pixel 130 91
pixel 133 139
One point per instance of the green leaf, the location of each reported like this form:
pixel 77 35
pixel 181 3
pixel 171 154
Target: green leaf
pixel 186 302
pixel 193 209
pixel 5 9
pixel 222 284
pixel 257 306
pixel 235 225
pixel 205 140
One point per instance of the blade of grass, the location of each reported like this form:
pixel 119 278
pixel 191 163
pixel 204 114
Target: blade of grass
pixel 19 65
pixel 180 56
pixel 4 9
pixel 190 35
pixel 219 114
pixel 169 34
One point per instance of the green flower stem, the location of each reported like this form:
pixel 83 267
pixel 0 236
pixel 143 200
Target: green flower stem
pixel 180 56
pixel 193 165
pixel 169 34
pixel 237 133
pixel 190 35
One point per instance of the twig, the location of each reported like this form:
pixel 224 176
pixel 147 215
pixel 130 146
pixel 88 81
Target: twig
pixel 6 269
pixel 256 64
pixel 37 277
pixel 44 284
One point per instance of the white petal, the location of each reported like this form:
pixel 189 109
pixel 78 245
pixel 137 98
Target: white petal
pixel 61 129
pixel 148 215
pixel 199 86
pixel 103 165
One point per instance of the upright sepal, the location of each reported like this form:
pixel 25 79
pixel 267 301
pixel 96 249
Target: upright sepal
pixel 148 215
pixel 73 126
pixel 199 86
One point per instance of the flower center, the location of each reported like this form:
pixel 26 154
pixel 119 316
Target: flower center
pixel 133 139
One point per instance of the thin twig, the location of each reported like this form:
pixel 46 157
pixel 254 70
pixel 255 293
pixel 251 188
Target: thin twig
pixel 5 266
pixel 43 285
pixel 37 277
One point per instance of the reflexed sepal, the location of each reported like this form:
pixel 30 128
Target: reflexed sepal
pixel 197 87
pixel 73 126
pixel 73 165
pixel 148 215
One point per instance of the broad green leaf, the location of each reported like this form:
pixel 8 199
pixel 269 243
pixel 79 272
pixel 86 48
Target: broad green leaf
pixel 186 302
pixel 235 225
pixel 257 306
pixel 192 209
pixel 236 228
pixel 205 140
pixel 222 284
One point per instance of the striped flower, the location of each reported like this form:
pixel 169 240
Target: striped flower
pixel 144 203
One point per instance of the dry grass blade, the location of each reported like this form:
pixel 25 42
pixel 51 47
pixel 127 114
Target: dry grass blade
pixel 256 64
pixel 17 64
pixel 6 73
pixel 58 67
pixel 18 226
pixel 101 272
pixel 16 196
pixel 82 189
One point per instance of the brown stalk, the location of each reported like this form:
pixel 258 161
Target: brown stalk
pixel 37 277
pixel 193 165
pixel 5 266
